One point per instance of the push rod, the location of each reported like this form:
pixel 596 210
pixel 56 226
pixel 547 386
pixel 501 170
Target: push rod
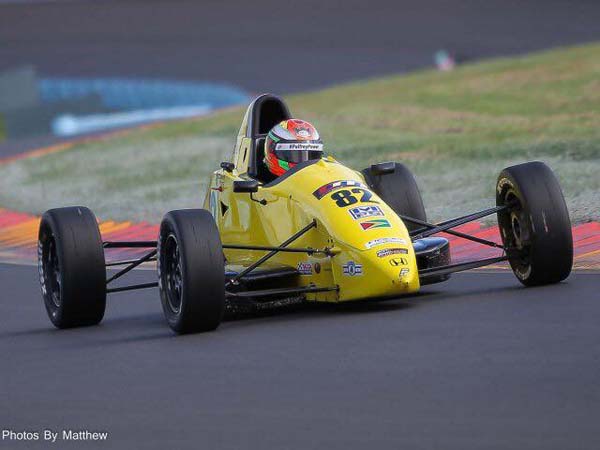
pixel 121 263
pixel 427 226
pixel 459 221
pixel 308 250
pixel 132 266
pixel 272 253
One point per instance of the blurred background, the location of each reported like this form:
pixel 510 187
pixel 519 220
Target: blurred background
pixel 171 58
pixel 75 68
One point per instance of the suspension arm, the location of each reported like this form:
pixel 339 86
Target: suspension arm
pixel 272 253
pixel 133 265
pixel 130 244
pixel 459 221
pixel 428 226
pixel 451 268
pixel 308 250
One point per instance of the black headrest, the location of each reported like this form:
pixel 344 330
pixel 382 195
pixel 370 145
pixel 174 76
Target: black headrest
pixel 267 111
pixel 257 153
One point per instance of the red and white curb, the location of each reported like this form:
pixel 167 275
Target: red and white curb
pixel 18 240
pixel 18 231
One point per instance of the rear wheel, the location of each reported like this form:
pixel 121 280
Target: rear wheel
pixel 536 228
pixel 400 191
pixel 71 267
pixel 191 271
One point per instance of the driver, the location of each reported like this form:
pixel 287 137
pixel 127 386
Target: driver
pixel 291 142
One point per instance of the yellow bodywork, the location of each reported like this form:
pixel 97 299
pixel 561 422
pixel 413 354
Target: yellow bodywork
pixel 291 204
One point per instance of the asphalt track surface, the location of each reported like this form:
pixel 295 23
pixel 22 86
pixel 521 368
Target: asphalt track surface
pixel 271 45
pixel 476 363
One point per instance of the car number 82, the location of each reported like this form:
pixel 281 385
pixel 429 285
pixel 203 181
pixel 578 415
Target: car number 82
pixel 347 197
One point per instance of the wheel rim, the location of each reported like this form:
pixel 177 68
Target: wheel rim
pixel 173 274
pixel 516 228
pixel 51 271
pixel 516 234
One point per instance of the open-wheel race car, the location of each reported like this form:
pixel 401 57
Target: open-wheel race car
pixel 322 232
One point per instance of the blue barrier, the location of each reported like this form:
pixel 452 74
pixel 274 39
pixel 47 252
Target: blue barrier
pixel 134 101
pixel 134 94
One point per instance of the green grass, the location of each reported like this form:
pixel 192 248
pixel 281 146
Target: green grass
pixel 455 130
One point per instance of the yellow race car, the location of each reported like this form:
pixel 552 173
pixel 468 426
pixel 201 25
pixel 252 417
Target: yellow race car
pixel 322 232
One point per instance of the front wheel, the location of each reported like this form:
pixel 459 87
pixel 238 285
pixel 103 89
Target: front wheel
pixel 71 267
pixel 535 229
pixel 191 271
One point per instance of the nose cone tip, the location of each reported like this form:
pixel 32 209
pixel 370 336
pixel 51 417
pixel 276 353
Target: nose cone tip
pixel 401 278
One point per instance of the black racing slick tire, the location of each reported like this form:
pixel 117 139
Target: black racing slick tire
pixel 71 267
pixel 191 271
pixel 535 229
pixel 400 191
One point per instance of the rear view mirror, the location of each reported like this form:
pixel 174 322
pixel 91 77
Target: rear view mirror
pixel 227 166
pixel 249 186
pixel 383 168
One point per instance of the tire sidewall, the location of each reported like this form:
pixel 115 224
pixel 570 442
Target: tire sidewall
pixel 202 268
pixel 550 249
pixel 81 264
pixel 55 313
pixel 507 183
pixel 173 318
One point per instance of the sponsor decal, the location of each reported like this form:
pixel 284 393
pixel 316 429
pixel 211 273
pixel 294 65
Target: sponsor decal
pixel 41 274
pixel 304 268
pixel 387 240
pixel 362 212
pixel 391 251
pixel 404 272
pixel 299 146
pixel 352 269
pixel 398 261
pixel 330 187
pixel 375 223
pixel 213 203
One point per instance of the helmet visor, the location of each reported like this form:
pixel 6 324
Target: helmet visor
pixel 298 152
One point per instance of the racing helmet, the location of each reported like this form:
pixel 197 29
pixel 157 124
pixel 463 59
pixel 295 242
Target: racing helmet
pixel 291 142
